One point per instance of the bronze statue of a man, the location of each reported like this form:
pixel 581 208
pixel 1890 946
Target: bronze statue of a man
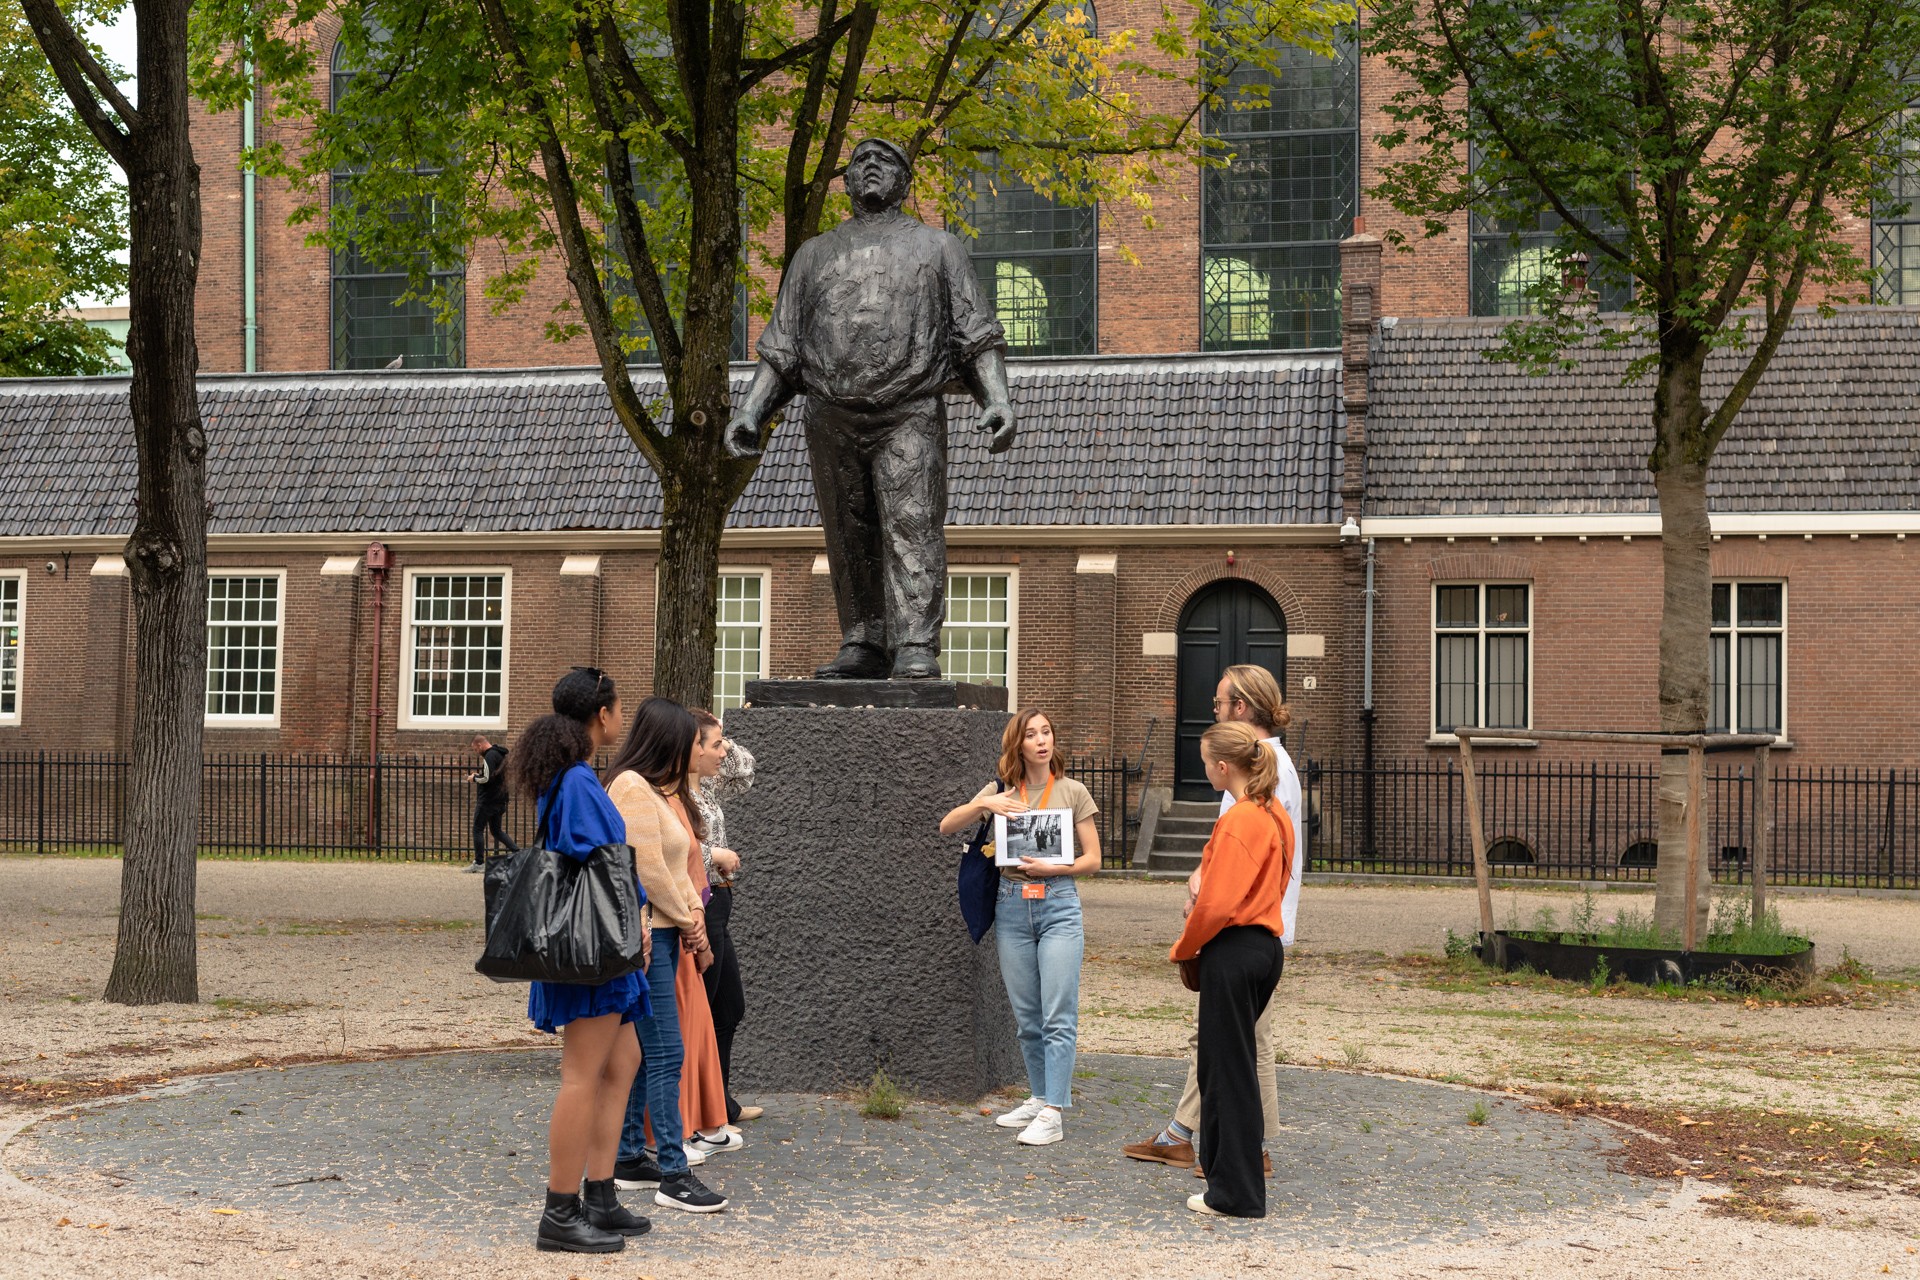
pixel 876 321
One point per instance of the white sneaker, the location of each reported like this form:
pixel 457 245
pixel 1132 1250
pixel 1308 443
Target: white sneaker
pixel 709 1146
pixel 1021 1116
pixel 694 1155
pixel 1047 1128
pixel 1198 1203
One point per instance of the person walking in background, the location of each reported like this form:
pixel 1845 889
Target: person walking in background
pixel 723 769
pixel 598 1055
pixel 1233 933
pixel 490 802
pixel 1037 924
pixel 651 763
pixel 1246 694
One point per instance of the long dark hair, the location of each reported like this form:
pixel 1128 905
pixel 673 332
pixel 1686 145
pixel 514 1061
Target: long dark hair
pixel 658 748
pixel 553 744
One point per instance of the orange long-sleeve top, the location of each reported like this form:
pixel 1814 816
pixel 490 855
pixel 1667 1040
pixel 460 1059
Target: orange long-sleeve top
pixel 1243 875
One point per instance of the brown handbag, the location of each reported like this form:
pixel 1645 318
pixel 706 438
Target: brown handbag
pixel 1189 973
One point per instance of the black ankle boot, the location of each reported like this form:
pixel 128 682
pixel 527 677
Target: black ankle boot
pixel 564 1229
pixel 605 1211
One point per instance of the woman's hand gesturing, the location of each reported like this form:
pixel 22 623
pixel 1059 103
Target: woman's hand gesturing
pixel 1006 803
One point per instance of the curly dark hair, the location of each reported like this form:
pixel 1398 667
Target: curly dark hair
pixel 552 744
pixel 659 748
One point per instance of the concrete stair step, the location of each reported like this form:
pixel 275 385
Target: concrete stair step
pixel 1175 842
pixel 1177 863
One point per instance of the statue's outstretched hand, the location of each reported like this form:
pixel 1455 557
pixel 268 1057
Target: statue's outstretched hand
pixel 743 438
pixel 997 421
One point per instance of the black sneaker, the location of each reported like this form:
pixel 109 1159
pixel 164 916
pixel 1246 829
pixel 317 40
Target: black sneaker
pixel 636 1174
pixel 684 1191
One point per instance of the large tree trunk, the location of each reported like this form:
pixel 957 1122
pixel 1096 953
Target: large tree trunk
pixel 689 558
pixel 154 958
pixel 1686 551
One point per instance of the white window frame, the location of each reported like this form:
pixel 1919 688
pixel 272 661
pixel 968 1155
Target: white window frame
pixel 19 578
pixel 406 719
pixel 1011 572
pixel 221 721
pixel 1439 735
pixel 765 574
pixel 1732 630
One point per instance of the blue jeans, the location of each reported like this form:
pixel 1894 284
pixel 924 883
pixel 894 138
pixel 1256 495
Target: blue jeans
pixel 1040 942
pixel 657 1088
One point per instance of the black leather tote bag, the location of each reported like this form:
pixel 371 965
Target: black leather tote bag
pixel 555 918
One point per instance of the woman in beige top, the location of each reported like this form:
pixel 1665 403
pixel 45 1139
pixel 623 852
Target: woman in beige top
pixel 1036 920
pixel 650 766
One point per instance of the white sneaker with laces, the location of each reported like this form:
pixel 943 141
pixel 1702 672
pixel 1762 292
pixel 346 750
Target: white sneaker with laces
pixel 710 1146
pixel 1047 1128
pixel 1021 1116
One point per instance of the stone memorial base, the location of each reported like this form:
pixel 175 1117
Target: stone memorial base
pixel 852 947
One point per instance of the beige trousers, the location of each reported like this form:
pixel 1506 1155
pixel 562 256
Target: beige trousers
pixel 1187 1114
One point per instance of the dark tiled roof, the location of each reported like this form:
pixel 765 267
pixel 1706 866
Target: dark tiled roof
pixel 1166 441
pixel 1833 426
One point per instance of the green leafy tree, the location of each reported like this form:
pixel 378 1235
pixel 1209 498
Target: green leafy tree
pixel 63 216
pixel 1710 153
pixel 657 148
pixel 155 958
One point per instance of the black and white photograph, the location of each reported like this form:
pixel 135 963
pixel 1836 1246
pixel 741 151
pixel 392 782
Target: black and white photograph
pixel 1045 835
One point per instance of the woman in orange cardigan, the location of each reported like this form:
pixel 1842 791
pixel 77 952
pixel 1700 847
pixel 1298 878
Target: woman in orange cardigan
pixel 1233 932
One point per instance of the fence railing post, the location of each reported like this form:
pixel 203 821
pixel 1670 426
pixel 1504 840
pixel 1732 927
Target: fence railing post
pixel 40 808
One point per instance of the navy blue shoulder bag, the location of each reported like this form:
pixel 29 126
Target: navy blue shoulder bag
pixel 979 878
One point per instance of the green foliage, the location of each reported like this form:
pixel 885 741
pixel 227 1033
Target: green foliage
pixel 883 1099
pixel 63 214
pixel 1460 946
pixel 1477 1114
pixel 1601 974
pixel 1850 971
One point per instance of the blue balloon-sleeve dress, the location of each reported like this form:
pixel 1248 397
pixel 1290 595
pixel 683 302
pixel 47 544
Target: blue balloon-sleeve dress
pixel 579 818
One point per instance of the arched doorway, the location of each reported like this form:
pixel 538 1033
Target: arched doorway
pixel 1224 624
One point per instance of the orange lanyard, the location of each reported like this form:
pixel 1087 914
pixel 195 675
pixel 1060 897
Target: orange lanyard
pixel 1043 795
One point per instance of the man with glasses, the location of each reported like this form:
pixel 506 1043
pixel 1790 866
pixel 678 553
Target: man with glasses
pixel 1252 696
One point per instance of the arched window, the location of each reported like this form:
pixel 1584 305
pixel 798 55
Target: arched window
pixel 1035 257
pixel 1272 218
pixel 373 327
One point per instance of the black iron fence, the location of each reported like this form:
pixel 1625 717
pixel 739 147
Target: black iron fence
pixel 1598 821
pixel 401 808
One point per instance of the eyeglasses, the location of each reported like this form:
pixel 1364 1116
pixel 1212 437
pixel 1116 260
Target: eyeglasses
pixel 1219 703
pixel 599 676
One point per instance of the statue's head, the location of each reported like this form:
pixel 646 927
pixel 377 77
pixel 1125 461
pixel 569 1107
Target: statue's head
pixel 878 175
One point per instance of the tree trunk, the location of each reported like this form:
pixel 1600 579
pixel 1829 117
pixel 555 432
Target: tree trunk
pixel 1686 551
pixel 154 957
pixel 685 620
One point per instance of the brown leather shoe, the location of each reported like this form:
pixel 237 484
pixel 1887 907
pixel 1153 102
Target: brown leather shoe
pixel 1266 1166
pixel 1177 1154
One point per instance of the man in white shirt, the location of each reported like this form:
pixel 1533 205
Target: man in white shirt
pixel 1251 695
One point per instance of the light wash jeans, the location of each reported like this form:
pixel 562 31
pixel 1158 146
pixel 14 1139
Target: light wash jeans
pixel 1040 942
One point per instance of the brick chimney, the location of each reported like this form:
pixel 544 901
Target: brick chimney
pixel 1359 313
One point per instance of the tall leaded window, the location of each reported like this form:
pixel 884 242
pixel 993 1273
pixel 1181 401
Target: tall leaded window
pixel 11 589
pixel 1482 656
pixel 457 648
pixel 1896 233
pixel 1511 258
pixel 1273 217
pixel 1037 260
pixel 243 647
pixel 375 325
pixel 976 644
pixel 1749 658
pixel 739 642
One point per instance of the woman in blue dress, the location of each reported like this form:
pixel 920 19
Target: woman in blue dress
pixel 598 1052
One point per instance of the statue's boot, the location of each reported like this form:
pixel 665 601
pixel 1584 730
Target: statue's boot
pixel 857 660
pixel 916 662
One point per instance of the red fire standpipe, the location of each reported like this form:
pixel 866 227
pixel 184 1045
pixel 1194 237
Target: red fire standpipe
pixel 377 561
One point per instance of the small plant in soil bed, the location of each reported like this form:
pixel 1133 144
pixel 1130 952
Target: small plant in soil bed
pixel 1737 951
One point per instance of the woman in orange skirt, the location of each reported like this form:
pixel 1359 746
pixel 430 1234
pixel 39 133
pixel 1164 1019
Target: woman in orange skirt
pixel 703 1090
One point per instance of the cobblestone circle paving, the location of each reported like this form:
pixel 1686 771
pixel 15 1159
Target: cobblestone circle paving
pixel 450 1151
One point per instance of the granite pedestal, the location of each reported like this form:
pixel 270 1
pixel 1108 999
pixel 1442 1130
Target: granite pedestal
pixel 848 925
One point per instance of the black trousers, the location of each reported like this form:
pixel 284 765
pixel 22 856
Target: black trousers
pixel 485 820
pixel 1238 972
pixel 726 995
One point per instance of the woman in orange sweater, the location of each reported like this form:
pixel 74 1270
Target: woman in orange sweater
pixel 1233 933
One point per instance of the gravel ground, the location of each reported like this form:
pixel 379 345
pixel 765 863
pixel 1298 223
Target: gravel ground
pixel 302 960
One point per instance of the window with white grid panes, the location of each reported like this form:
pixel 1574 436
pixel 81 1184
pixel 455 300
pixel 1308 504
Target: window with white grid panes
pixel 1482 656
pixel 976 642
pixel 739 639
pixel 243 646
pixel 1749 658
pixel 458 647
pixel 12 588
